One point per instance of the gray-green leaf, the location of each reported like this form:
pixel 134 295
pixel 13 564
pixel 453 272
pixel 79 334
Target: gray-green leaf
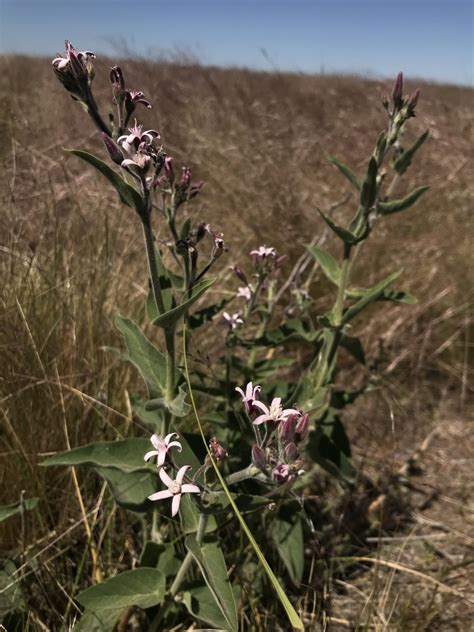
pixel 387 208
pixel 328 264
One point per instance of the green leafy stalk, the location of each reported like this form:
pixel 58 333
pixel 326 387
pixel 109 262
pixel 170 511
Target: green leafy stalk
pixel 290 611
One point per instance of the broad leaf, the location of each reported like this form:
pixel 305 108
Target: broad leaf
pixel 372 294
pixel 144 355
pixel 329 446
pixel 103 621
pixel 11 594
pixel 178 406
pixel 142 587
pixel 128 195
pixel 160 556
pixel 6 511
pixel 131 489
pixel 350 175
pixel 210 559
pixel 126 455
pixel 287 535
pixel 200 603
pixel 328 264
pixel 169 319
pixel 394 206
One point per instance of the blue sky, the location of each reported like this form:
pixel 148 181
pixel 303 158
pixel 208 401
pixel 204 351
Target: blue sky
pixel 432 39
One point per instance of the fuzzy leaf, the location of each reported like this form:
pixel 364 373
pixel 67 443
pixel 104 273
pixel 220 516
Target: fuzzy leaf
pixel 128 195
pixel 346 236
pixel 98 621
pixel 169 319
pixel 130 489
pixel 402 162
pixel 210 559
pixel 372 294
pixel 329 447
pixel 287 535
pixel 6 511
pixel 350 175
pixel 368 191
pixel 142 587
pixel 201 604
pixel 328 264
pixel 144 355
pixel 395 206
pixel 354 346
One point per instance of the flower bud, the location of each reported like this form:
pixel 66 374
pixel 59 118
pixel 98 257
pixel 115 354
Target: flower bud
pixel 258 457
pixel 281 473
pixel 113 150
pixel 195 189
pixel 302 426
pixel 291 452
pixel 218 452
pixel 397 91
pixel 286 429
pixel 385 101
pixel 239 273
pixel 412 101
pixel 168 168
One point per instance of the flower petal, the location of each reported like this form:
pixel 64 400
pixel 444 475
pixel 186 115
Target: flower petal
pixel 262 406
pixel 164 493
pixel 181 472
pixel 166 479
pixel 168 436
pixel 189 488
pixel 175 444
pixel 262 419
pixel 155 440
pixel 161 458
pixel 150 454
pixel 175 504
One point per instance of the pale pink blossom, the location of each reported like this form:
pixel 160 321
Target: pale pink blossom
pixel 250 396
pixel 233 320
pixel 162 447
pixel 175 488
pixel 273 414
pixel 76 56
pixel 281 473
pixel 244 292
pixel 263 252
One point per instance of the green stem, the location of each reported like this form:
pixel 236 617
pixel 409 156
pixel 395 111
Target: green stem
pixel 152 265
pixel 339 306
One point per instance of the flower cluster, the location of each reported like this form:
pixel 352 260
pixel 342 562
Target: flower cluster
pixel 175 488
pixel 277 454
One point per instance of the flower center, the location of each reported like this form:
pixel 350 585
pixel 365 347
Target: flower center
pixel 175 487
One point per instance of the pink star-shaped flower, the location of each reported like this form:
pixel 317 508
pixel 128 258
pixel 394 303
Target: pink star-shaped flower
pixel 175 488
pixel 162 446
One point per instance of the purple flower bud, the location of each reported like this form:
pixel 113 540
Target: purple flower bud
pixel 168 167
pixel 239 273
pixel 385 101
pixel 201 231
pixel 291 452
pixel 195 189
pixel 218 452
pixel 186 176
pixel 397 91
pixel 258 457
pixel 412 101
pixel 113 150
pixel 302 426
pixel 286 429
pixel 116 79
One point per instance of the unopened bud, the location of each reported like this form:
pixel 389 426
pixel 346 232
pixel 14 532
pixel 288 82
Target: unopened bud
pixel 113 150
pixel 412 101
pixel 195 189
pixel 302 426
pixel 385 101
pixel 168 168
pixel 286 429
pixel 397 91
pixel 258 457
pixel 218 452
pixel 201 231
pixel 281 473
pixel 186 176
pixel 239 273
pixel 291 452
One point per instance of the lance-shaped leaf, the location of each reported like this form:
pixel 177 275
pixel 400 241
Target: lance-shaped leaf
pixel 6 511
pixel 368 191
pixel 128 195
pixel 287 535
pixel 344 234
pixel 394 206
pixel 169 319
pixel 210 559
pixel 144 355
pixel 142 587
pixel 396 296
pixel 350 175
pixel 372 294
pixel 402 162
pixel 354 346
pixel 328 264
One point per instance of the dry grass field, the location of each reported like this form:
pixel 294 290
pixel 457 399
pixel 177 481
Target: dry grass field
pixel 71 258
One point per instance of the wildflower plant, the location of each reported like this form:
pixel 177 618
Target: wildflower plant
pixel 264 436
